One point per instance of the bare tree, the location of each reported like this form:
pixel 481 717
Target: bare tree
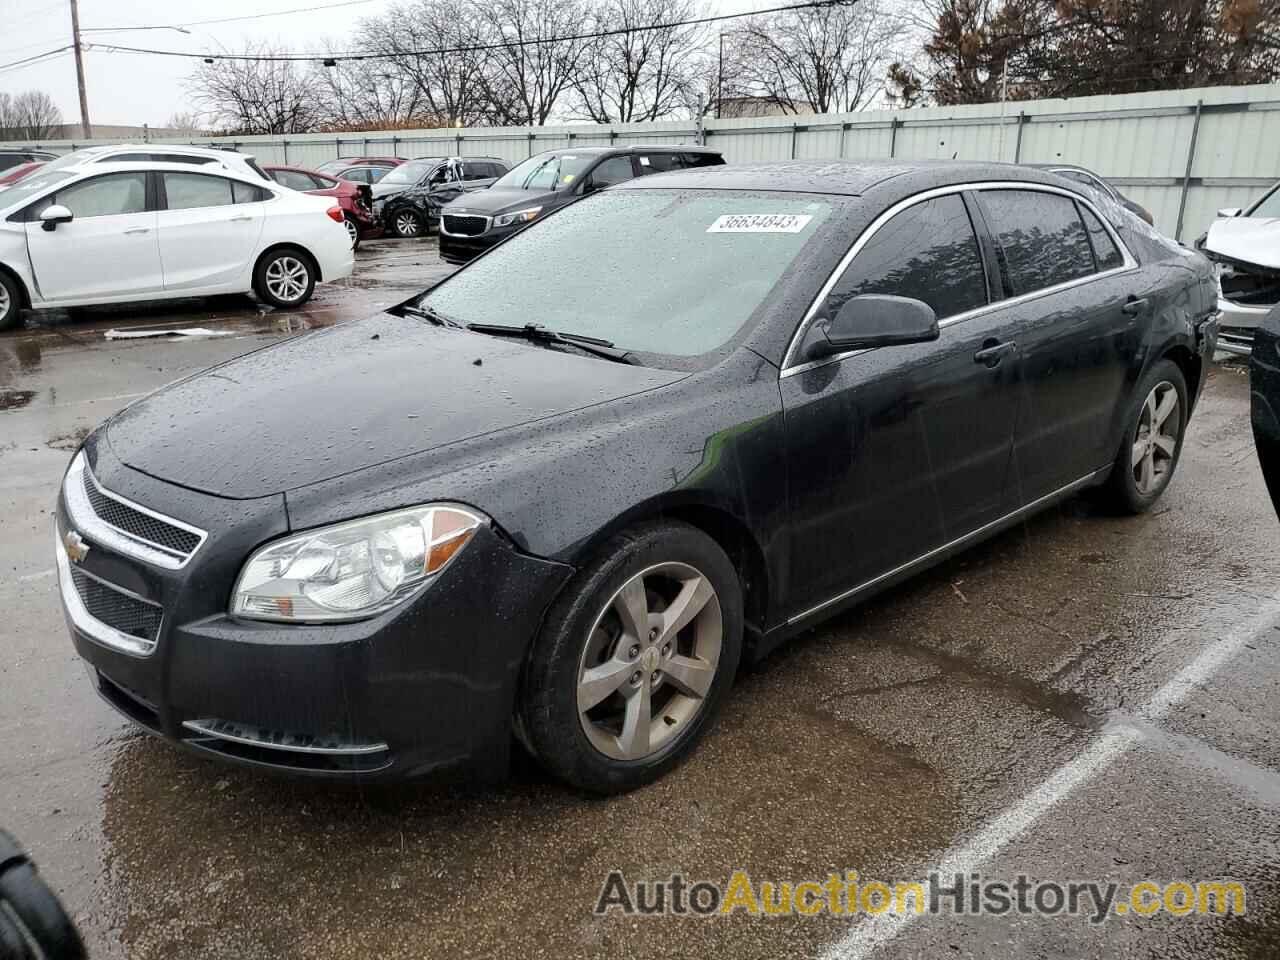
pixel 826 59
pixel 30 115
pixel 525 81
pixel 186 122
pixel 641 74
pixel 257 96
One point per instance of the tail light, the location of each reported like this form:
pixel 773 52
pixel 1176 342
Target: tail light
pixel 335 213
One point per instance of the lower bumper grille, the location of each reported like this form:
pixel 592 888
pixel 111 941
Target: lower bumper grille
pixel 465 226
pixel 119 610
pixel 297 751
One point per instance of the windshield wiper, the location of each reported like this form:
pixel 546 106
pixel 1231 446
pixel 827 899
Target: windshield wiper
pixel 424 313
pixel 537 333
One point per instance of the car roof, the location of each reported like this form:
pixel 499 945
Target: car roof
pixel 841 177
pixel 629 149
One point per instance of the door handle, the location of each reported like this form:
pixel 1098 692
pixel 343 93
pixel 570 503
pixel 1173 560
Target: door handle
pixel 244 219
pixel 1134 306
pixel 137 230
pixel 993 352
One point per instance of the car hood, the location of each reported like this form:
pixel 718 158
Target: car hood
pixel 351 397
pixel 1253 240
pixel 498 200
pixel 383 190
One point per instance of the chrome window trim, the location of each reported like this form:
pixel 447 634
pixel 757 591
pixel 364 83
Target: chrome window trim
pixel 488 224
pixel 87 623
pixel 82 514
pixel 957 542
pixel 790 366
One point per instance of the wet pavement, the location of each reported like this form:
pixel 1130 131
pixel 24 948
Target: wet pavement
pixel 1087 697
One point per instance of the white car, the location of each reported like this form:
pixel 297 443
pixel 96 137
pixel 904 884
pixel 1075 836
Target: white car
pixel 99 230
pixel 1246 247
pixel 216 157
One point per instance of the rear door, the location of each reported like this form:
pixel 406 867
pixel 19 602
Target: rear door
pixel 896 451
pixel 209 229
pixel 108 250
pixel 1068 284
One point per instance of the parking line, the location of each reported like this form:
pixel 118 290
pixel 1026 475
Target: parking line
pixel 864 938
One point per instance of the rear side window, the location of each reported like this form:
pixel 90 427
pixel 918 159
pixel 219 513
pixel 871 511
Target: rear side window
pixel 928 251
pixel 661 162
pixel 702 160
pixel 1105 251
pixel 472 170
pixel 186 191
pixel 107 196
pixel 1043 240
pixel 497 169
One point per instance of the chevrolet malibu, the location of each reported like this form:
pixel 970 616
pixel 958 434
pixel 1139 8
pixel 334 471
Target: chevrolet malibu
pixel 560 497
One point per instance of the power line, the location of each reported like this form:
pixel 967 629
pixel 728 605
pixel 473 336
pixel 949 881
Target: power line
pixel 472 48
pixel 38 56
pixel 252 16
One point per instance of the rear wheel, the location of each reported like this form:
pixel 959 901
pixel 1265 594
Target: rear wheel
pixel 408 224
pixel 353 231
pixel 1152 442
pixel 10 302
pixel 285 278
pixel 635 659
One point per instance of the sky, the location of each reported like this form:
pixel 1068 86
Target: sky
pixel 135 89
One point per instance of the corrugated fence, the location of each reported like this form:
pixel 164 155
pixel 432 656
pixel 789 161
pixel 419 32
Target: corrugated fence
pixel 1182 154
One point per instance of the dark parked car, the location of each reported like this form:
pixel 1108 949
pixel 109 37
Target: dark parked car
pixel 354 198
pixel 1091 179
pixel 416 211
pixel 11 158
pixel 564 493
pixel 1264 382
pixel 547 181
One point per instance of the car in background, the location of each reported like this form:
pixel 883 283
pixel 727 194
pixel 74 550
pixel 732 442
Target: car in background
pixel 11 157
pixel 219 157
pixel 353 198
pixel 1245 245
pixel 416 211
pixel 1091 179
pixel 335 166
pixel 14 174
pixel 474 222
pixel 98 231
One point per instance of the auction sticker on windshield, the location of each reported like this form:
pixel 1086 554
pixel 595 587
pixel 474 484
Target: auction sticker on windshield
pixel 760 223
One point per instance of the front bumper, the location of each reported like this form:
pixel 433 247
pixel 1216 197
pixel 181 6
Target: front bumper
pixel 427 686
pixel 460 249
pixel 1238 321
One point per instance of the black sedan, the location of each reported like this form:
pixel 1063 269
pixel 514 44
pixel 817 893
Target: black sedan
pixel 560 497
pixel 548 181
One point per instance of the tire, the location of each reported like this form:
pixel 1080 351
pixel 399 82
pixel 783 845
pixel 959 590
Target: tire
pixel 1145 462
pixel 10 302
pixel 659 564
pixel 287 262
pixel 407 224
pixel 353 230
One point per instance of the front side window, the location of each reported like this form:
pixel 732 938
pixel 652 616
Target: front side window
pixel 1043 240
pixel 407 173
pixel 186 191
pixel 611 171
pixel 112 195
pixel 928 252
pixel 678 273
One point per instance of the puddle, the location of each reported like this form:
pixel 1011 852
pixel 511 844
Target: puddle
pixel 15 399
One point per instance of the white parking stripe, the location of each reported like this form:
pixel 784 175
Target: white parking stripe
pixel 868 936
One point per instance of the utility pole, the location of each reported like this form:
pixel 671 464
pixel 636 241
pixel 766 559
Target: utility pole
pixel 85 129
pixel 1004 99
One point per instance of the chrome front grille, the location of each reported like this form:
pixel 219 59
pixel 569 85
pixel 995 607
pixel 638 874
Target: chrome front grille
pixel 462 226
pixel 126 519
pixel 118 609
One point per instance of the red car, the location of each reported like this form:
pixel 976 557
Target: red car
pixel 334 166
pixel 14 174
pixel 355 199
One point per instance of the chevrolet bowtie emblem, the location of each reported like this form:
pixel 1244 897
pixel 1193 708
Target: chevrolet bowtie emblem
pixel 77 549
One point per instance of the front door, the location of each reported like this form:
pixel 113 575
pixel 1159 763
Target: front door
pixel 108 251
pixel 896 451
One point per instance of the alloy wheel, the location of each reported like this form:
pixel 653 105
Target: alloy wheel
pixel 650 661
pixel 352 231
pixel 5 302
pixel 407 225
pixel 1156 439
pixel 287 278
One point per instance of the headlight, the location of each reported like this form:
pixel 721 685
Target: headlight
pixel 520 216
pixel 353 570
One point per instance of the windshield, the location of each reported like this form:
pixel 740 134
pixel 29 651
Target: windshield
pixel 1268 206
pixel 655 271
pixel 32 186
pixel 411 172
pixel 546 171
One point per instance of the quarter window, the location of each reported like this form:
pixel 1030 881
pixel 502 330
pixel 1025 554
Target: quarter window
pixel 1042 238
pixel 1105 251
pixel 186 191
pixel 111 195
pixel 928 251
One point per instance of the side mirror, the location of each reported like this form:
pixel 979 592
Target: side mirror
pixel 53 215
pixel 875 320
pixel 1229 212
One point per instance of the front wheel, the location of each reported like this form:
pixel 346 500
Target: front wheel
pixel 408 224
pixel 635 659
pixel 1152 441
pixel 10 302
pixel 285 278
